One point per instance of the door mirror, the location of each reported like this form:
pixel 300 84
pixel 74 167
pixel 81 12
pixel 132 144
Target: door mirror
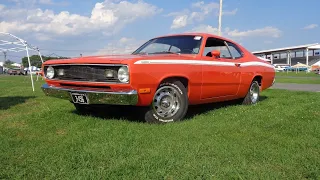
pixel 215 54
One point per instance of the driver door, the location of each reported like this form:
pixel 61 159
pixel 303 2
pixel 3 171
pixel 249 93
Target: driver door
pixel 220 76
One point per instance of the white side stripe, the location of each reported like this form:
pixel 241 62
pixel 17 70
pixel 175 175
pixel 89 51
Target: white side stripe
pixel 199 62
pixel 255 63
pixel 191 62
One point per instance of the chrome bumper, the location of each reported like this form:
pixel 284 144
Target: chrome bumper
pixel 94 97
pixel 274 80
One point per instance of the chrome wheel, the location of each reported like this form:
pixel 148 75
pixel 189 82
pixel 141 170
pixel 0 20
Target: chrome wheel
pixel 254 93
pixel 166 102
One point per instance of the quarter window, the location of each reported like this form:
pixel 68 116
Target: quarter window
pixel 235 51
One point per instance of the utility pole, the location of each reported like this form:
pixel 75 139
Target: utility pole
pixel 5 55
pixel 220 16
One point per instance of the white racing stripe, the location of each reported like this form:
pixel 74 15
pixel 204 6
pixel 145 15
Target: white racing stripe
pixel 256 63
pixel 200 62
pixel 190 62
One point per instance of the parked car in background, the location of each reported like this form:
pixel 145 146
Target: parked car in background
pixel 281 67
pixel 166 75
pixel 16 71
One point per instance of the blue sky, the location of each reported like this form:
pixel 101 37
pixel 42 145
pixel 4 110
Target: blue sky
pixel 68 28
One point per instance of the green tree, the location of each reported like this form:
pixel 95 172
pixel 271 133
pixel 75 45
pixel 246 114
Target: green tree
pixel 8 63
pixel 36 61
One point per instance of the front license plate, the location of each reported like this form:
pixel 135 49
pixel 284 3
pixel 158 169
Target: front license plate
pixel 79 98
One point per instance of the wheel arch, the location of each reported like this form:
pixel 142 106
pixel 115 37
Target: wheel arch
pixel 183 79
pixel 258 78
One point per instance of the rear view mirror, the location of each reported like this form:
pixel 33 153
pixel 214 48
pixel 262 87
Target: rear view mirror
pixel 215 54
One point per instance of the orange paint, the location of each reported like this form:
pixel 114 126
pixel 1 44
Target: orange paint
pixel 209 79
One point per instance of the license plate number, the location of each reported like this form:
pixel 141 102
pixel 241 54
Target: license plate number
pixel 79 98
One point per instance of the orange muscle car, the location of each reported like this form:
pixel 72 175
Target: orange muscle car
pixel 166 74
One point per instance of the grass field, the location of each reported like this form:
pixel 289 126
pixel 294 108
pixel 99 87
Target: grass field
pixel 299 74
pixel 43 137
pixel 299 78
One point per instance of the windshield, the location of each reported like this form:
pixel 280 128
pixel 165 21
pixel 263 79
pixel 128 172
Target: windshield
pixel 173 44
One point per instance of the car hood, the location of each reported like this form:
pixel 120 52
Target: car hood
pixel 116 59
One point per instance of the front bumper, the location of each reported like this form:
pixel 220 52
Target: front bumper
pixel 94 97
pixel 274 80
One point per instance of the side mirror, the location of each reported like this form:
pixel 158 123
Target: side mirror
pixel 215 54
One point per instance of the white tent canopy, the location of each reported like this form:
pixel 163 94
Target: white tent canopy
pixel 19 45
pixel 316 64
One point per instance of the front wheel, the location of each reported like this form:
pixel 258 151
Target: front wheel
pixel 253 94
pixel 170 103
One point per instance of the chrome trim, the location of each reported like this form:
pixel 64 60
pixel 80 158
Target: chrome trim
pixel 95 97
pixel 86 64
pixel 274 80
pixel 106 82
pixel 90 82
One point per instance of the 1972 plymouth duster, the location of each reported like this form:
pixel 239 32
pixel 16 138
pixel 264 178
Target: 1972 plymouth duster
pixel 166 74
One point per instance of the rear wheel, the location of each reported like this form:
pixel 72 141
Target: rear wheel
pixel 170 103
pixel 253 95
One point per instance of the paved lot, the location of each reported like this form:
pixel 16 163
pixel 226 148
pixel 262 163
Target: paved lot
pixel 297 87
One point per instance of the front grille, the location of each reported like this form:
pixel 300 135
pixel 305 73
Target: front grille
pixel 91 73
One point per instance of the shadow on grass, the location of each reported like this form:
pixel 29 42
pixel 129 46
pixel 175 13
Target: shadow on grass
pixel 204 108
pixel 7 102
pixel 136 114
pixel 106 112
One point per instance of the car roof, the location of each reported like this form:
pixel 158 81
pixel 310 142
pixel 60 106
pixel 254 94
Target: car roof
pixel 197 34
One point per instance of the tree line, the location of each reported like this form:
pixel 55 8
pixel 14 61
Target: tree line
pixel 36 61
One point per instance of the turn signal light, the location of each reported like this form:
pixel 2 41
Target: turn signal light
pixel 144 90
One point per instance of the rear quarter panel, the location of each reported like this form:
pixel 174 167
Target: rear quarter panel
pixel 252 68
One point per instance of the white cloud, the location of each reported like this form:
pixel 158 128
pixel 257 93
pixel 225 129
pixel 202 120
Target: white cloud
pixel 233 12
pixel 200 10
pixel 32 3
pixel 205 29
pixel 260 32
pixel 107 17
pixel 49 2
pixel 122 46
pixel 311 26
pixel 179 21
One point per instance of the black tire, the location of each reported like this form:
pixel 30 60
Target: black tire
pixel 252 98
pixel 180 93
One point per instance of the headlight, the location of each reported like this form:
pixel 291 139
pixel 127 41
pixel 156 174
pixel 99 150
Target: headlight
pixel 50 72
pixel 123 74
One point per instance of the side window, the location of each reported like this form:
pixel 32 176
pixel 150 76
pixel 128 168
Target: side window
pixel 216 44
pixel 235 50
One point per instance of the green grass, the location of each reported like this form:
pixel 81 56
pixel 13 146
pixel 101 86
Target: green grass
pixel 43 137
pixel 298 74
pixel 298 80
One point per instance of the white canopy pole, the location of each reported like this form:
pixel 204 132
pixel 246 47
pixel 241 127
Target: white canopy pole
pixel 220 17
pixel 23 43
pixel 30 68
pixel 40 55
